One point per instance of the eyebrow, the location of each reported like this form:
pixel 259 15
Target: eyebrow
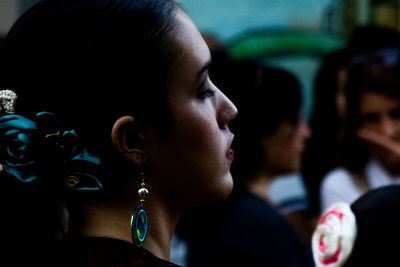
pixel 203 69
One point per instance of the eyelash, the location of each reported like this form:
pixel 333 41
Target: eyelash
pixel 206 92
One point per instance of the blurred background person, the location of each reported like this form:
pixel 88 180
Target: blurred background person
pixel 326 122
pixel 325 148
pixel 373 105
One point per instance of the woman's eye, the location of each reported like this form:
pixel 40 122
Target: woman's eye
pixel 371 118
pixel 395 114
pixel 206 92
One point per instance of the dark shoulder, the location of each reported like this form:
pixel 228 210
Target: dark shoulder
pixel 248 206
pixel 105 252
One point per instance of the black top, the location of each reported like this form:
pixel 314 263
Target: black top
pixel 105 252
pixel 247 231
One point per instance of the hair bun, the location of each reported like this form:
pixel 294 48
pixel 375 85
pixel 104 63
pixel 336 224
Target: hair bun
pixel 334 237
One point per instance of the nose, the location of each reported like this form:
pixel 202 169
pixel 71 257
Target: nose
pixel 306 130
pixel 226 112
pixel 387 127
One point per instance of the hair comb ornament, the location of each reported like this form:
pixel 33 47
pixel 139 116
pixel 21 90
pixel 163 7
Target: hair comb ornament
pixel 30 148
pixel 334 237
pixel 7 101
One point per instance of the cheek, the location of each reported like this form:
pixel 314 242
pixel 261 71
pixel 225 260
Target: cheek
pixel 196 146
pixel 286 155
pixel 198 133
pixel 298 148
pixel 203 170
pixel 370 126
pixel 397 128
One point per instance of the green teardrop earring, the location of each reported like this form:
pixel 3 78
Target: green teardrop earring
pixel 139 220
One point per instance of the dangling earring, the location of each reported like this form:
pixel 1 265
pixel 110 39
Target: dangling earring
pixel 139 221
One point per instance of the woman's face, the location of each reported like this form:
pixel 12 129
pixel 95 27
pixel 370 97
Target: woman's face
pixel 192 161
pixel 284 148
pixel 381 113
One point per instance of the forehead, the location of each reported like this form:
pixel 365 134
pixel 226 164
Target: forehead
pixel 185 32
pixel 375 102
pixel 190 48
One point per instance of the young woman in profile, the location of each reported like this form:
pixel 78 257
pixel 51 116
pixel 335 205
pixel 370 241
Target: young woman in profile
pixel 110 129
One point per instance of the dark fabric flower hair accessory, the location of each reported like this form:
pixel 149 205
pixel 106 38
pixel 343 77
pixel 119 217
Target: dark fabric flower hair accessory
pixel 30 149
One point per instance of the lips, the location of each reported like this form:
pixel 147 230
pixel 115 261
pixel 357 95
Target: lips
pixel 230 154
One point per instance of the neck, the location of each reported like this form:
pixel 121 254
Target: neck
pixel 112 220
pixel 162 223
pixel 391 169
pixel 260 185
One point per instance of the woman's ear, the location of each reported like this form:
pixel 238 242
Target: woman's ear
pixel 127 140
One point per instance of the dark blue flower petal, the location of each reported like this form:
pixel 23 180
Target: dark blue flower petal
pixel 15 140
pixel 82 165
pixel 82 181
pixel 20 139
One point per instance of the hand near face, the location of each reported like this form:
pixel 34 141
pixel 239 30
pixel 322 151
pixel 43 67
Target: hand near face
pixel 380 140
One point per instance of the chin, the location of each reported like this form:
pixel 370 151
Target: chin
pixel 222 191
pixel 226 190
pixel 210 193
pixel 392 165
pixel 288 170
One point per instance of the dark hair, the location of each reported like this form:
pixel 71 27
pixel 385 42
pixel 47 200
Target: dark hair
pixel 89 62
pixel 371 37
pixel 321 155
pixel 368 77
pixel 378 218
pixel 266 96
